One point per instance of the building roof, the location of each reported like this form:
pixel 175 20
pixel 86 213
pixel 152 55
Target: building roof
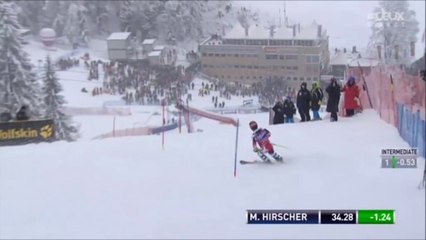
pixel 154 54
pixel 261 32
pixel 363 62
pixel 159 47
pixel 119 36
pixel 339 58
pixel 149 41
pixel 350 59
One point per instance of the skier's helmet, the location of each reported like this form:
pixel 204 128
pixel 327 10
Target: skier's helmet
pixel 253 125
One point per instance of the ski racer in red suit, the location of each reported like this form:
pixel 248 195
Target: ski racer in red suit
pixel 260 137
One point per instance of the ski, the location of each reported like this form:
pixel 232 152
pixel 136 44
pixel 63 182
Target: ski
pixel 253 162
pixel 258 162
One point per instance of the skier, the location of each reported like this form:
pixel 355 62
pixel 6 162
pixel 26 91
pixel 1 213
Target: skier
pixel 261 137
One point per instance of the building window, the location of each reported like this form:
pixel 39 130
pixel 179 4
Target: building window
pixel 215 76
pixel 291 57
pixel 254 77
pixel 289 78
pixel 249 66
pixel 205 66
pixel 271 57
pixel 256 67
pixel 237 66
pixel 236 55
pixel 222 77
pixel 315 79
pixel 281 57
pixel 223 55
pixel 294 68
pixel 241 77
pixel 312 59
pixel 229 76
pixel 216 54
pixel 288 67
pixel 204 54
pixel 302 79
pixel 308 78
pixel 248 77
pixel 295 78
pixel 210 54
pixel 243 66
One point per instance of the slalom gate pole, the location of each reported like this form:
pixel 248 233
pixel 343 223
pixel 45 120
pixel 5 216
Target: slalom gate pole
pixel 180 121
pixel 236 148
pixel 162 132
pixel 113 127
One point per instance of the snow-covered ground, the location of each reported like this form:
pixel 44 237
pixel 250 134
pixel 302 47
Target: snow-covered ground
pixel 130 187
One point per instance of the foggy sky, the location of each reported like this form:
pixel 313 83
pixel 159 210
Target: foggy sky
pixel 346 22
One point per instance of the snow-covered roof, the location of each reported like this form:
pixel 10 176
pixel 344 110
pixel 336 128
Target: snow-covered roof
pixel 339 58
pixel 119 36
pixel 351 59
pixel 363 62
pixel 283 32
pixel 149 41
pixel 154 54
pixel 159 47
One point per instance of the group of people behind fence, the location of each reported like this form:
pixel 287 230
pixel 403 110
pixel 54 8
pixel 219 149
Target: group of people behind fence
pixel 311 100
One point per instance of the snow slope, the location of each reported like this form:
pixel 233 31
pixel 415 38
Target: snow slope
pixel 130 187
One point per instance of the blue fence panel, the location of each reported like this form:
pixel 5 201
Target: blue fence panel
pixel 412 128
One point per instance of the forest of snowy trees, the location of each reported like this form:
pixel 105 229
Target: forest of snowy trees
pixel 78 20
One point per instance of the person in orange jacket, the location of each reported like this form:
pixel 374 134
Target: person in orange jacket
pixel 351 91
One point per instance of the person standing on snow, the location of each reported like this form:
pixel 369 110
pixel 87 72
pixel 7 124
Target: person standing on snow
pixel 278 113
pixel 351 98
pixel 289 110
pixel 303 103
pixel 260 137
pixel 316 99
pixel 333 91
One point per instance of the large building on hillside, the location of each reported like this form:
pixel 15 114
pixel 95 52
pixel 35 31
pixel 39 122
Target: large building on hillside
pixel 253 54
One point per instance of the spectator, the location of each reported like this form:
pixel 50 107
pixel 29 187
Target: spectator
pixel 22 114
pixel 333 91
pixel 304 102
pixel 278 113
pixel 289 110
pixel 351 97
pixel 316 100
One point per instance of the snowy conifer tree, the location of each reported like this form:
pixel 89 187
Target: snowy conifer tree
pixel 125 15
pixel 394 27
pixel 18 85
pixel 75 24
pixel 54 104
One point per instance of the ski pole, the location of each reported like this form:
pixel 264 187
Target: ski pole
pixel 274 144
